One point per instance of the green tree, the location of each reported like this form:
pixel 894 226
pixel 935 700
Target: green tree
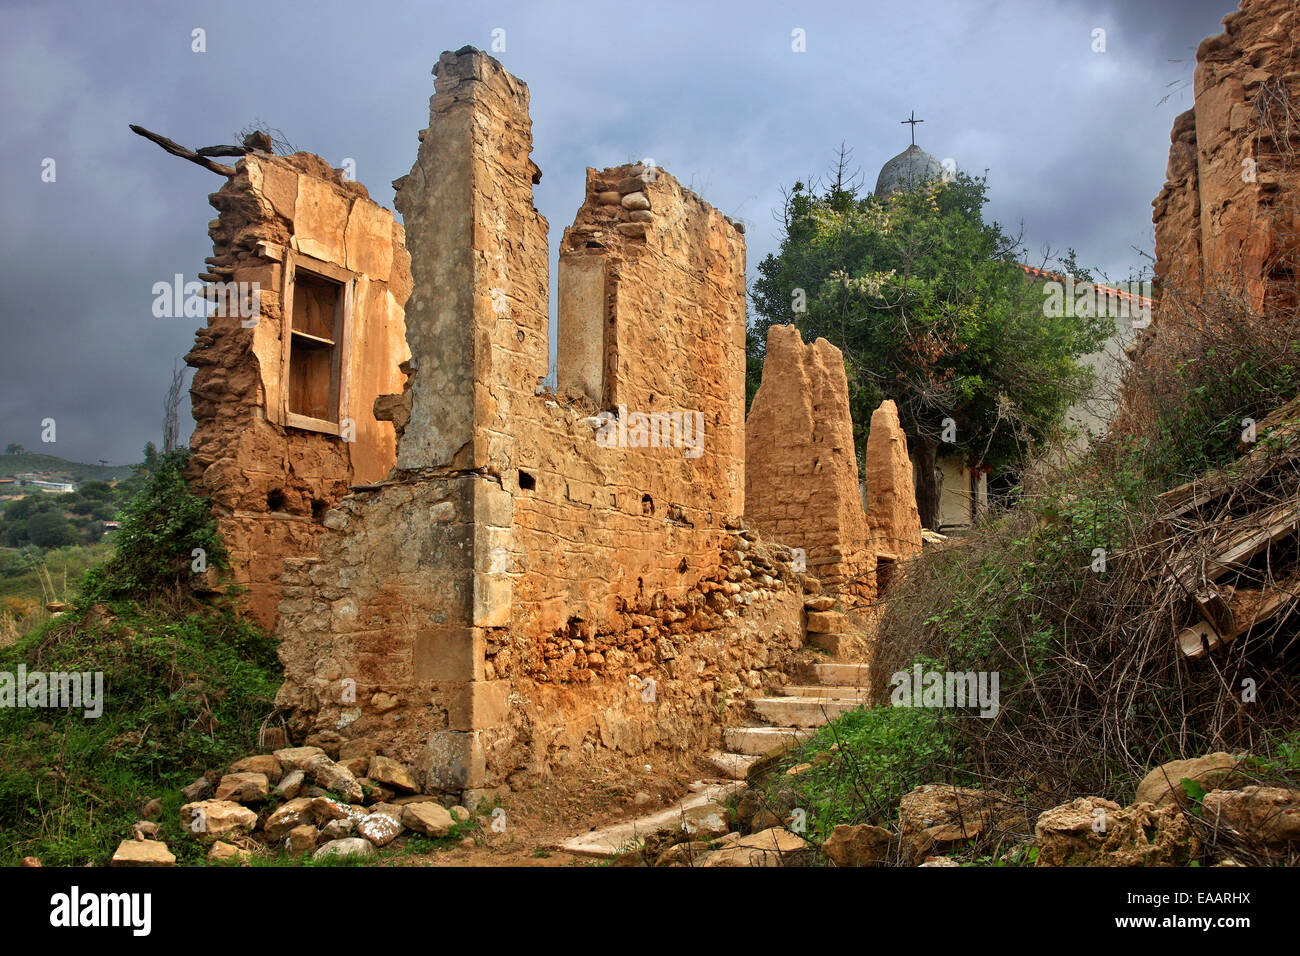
pixel 49 529
pixel 931 309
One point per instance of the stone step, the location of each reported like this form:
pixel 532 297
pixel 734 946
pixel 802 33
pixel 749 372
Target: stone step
pixel 801 711
pixel 619 837
pixel 836 645
pixel 840 692
pixel 854 675
pixel 730 766
pixel 758 741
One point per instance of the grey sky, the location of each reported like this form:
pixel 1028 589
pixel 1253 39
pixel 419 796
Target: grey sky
pixel 1075 142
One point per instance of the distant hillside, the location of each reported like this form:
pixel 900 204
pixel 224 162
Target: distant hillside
pixel 59 469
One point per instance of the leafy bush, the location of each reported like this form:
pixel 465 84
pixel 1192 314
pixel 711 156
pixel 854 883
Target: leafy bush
pixel 162 526
pixel 873 757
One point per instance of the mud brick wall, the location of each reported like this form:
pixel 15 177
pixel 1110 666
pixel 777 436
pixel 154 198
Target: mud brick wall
pixel 496 606
pixel 801 469
pixel 272 484
pixel 1215 224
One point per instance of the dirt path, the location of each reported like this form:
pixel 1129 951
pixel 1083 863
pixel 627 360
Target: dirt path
pixel 538 818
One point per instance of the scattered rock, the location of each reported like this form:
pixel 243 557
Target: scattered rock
pixel 689 853
pixel 380 829
pixel 291 785
pixel 209 819
pixel 243 788
pixel 430 819
pixel 1164 784
pixel 142 853
pixel 939 861
pixel 392 774
pixel 30 861
pixel 200 789
pixel 1266 815
pixel 330 776
pixel 348 846
pixel 859 844
pixel 301 840
pixel 297 812
pixel 152 809
pixel 338 829
pixel 356 766
pixel 459 814
pixel 221 852
pixel 705 822
pixel 772 847
pixel 936 816
pixel 263 764
pixel 1093 831
pixel 297 758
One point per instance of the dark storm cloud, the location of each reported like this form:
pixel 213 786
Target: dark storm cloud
pixel 1074 142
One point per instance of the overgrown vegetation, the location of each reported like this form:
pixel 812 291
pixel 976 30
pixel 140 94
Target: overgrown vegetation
pixel 165 529
pixel 185 690
pixel 186 687
pixel 931 308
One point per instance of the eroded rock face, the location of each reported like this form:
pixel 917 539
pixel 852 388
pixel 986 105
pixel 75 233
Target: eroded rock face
pixel 801 470
pixel 1228 210
pixel 1093 831
pixel 892 514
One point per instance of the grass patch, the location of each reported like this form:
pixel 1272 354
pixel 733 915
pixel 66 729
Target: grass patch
pixel 185 690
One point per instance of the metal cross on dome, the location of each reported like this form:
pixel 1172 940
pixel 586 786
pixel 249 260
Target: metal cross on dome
pixel 913 120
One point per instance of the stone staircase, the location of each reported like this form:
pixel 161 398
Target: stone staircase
pixel 834 689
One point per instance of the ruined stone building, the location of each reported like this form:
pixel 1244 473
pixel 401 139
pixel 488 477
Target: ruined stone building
pixel 496 578
pixel 283 400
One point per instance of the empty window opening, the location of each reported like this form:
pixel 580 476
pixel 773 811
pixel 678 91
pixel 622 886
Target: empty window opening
pixel 647 505
pixel 318 509
pixel 275 500
pixel 315 353
pixel 526 481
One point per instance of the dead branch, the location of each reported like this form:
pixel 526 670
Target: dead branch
pixel 176 149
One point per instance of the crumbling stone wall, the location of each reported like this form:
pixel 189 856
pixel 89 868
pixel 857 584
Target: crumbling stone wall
pixel 535 561
pixel 271 483
pixel 1227 214
pixel 801 472
pixel 892 514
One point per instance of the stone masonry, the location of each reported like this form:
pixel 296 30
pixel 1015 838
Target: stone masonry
pixel 322 252
pixel 545 574
pixel 801 468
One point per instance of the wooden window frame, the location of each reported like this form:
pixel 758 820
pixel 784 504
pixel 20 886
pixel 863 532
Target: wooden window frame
pixel 293 261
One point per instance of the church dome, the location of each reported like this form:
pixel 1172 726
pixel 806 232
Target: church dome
pixel 907 170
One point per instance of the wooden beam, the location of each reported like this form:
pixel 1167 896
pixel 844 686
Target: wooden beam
pixel 176 149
